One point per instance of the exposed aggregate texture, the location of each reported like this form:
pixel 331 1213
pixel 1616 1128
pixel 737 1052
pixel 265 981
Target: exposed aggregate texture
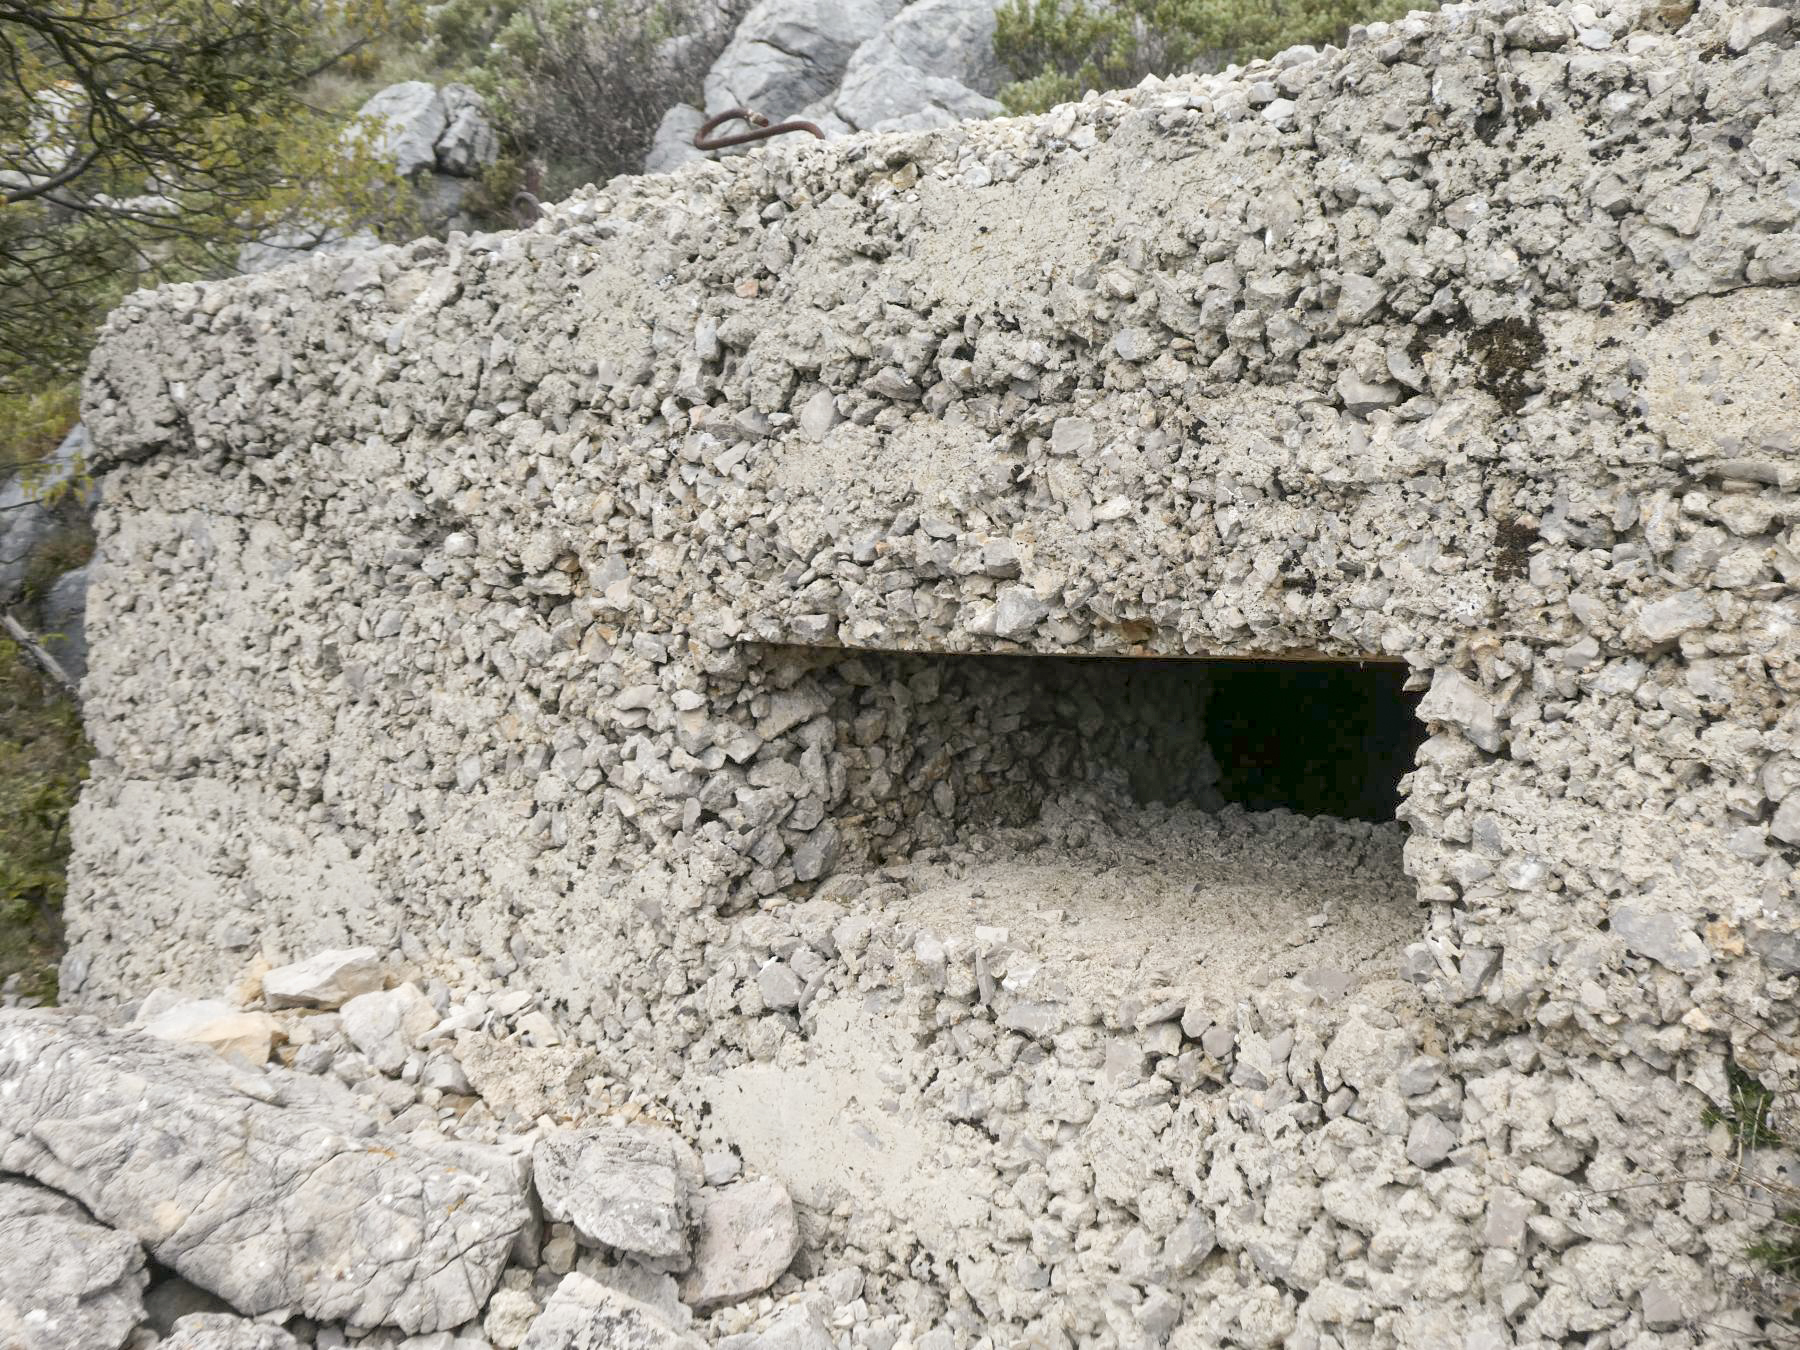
pixel 490 602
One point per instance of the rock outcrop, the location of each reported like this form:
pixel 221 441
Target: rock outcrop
pixel 876 65
pixel 66 1282
pixel 439 137
pixel 428 129
pixel 314 1215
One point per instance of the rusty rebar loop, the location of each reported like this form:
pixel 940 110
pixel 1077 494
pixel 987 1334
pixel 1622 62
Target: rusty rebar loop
pixel 761 129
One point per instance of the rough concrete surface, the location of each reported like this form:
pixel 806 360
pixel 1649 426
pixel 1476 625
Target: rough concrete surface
pixel 568 613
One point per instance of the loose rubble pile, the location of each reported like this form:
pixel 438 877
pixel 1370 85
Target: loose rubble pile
pixel 586 619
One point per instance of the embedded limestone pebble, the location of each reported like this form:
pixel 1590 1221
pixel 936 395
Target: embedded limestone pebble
pixel 455 600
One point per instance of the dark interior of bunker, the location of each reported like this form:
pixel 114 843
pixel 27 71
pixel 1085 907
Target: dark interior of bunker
pixel 929 747
pixel 1228 820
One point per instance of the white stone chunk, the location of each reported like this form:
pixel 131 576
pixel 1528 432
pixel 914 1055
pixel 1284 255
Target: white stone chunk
pixel 1456 699
pixel 328 980
pixel 387 1026
pixel 242 1037
pixel 1667 619
pixel 1757 24
pixel 226 1331
pixel 621 1187
pixel 584 1314
pixel 1665 938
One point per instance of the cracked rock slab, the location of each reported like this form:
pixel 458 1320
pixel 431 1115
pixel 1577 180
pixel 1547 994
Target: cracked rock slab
pixel 272 1207
pixel 66 1282
pixel 748 1238
pixel 621 1188
pixel 584 1314
pixel 223 1331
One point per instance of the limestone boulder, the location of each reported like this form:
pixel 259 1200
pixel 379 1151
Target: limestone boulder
pixel 386 1026
pixel 226 1331
pixel 627 1188
pixel 280 247
pixel 413 117
pixel 262 1194
pixel 242 1037
pixel 64 622
pixel 468 141
pixel 326 980
pixel 747 1240
pixel 584 1314
pixel 673 144
pixel 24 522
pixel 786 54
pixel 66 1282
pixel 930 65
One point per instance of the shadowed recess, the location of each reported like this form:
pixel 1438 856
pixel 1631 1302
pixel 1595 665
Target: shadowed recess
pixel 1323 738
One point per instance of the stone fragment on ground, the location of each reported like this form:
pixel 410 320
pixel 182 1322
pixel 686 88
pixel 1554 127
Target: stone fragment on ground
pixel 226 1331
pixel 271 1206
pixel 584 1314
pixel 66 1282
pixel 799 1326
pixel 326 980
pixel 621 1187
pixel 386 1026
pixel 747 1240
pixel 241 1036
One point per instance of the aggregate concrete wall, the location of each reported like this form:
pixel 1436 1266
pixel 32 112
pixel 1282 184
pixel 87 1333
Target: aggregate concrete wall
pixel 448 598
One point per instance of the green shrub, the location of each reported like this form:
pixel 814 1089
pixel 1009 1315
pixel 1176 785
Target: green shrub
pixel 33 423
pixel 1056 50
pixel 43 759
pixel 144 143
pixel 579 86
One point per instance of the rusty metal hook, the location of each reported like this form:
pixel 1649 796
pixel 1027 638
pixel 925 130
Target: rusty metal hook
pixel 761 129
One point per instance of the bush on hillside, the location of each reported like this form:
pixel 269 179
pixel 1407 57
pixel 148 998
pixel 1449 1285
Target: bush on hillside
pixel 579 87
pixel 1056 50
pixel 42 761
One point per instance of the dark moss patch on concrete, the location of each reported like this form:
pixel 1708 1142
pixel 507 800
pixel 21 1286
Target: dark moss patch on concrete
pixel 1506 353
pixel 1513 539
